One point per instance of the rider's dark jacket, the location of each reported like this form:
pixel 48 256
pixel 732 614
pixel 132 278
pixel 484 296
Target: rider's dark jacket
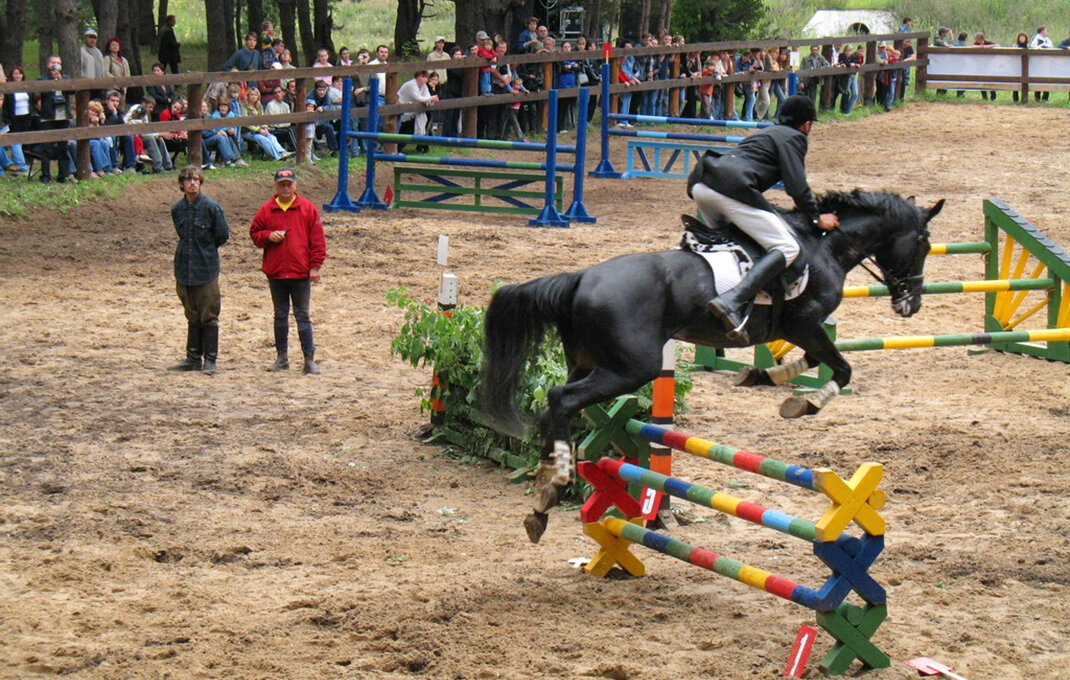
pixel 757 163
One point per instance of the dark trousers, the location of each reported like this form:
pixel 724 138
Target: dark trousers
pixel 299 292
pixel 201 302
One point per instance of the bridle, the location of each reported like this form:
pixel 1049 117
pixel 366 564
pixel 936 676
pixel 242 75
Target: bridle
pixel 895 284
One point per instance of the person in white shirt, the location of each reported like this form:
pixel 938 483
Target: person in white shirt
pixel 93 60
pixel 412 122
pixel 1041 41
pixel 382 53
pixel 439 54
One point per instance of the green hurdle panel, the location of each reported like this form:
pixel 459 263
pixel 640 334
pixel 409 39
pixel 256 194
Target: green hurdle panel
pixel 479 191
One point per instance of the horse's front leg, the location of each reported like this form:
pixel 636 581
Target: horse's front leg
pixel 819 349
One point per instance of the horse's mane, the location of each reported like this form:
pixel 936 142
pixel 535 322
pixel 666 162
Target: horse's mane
pixel 869 202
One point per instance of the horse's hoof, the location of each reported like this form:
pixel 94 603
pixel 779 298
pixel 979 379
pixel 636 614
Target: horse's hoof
pixel 749 376
pixel 535 525
pixel 546 497
pixel 795 407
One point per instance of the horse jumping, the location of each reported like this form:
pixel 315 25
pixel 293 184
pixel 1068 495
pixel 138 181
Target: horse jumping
pixel 614 318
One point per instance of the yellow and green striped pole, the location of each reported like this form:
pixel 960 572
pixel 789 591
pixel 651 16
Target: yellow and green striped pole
pixel 953 340
pixel 982 286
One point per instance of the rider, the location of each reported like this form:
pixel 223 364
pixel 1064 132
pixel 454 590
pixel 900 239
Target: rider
pixel 731 186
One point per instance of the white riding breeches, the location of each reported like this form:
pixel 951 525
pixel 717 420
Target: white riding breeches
pixel 767 228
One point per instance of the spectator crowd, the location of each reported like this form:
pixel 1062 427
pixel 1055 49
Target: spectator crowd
pixel 229 144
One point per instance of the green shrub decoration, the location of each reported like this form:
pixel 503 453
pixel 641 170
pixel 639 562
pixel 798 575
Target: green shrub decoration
pixel 452 345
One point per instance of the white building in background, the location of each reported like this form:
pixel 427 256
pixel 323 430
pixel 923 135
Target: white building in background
pixel 831 22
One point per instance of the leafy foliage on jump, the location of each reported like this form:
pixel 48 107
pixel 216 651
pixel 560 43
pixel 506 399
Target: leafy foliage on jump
pixel 452 345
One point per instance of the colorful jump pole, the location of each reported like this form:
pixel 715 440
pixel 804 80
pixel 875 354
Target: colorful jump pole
pixel 943 287
pixel 954 340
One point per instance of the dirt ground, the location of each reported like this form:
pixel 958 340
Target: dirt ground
pixel 256 525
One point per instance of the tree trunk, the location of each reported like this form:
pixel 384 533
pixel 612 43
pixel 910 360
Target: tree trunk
pixel 406 27
pixel 13 29
pixel 126 29
pixel 46 33
pixel 67 34
pixel 107 20
pixel 323 25
pixel 220 46
pixel 666 14
pixel 592 23
pixel 255 12
pixel 644 20
pixel 493 16
pixel 304 22
pixel 288 25
pixel 146 30
pixel 235 14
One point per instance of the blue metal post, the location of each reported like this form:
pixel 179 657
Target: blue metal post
pixel 549 217
pixel 793 83
pixel 370 199
pixel 576 212
pixel 341 200
pixel 605 166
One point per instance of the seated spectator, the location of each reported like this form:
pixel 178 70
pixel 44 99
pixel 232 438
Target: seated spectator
pixel 285 62
pixel 113 115
pixel 163 95
pixel 100 148
pixel 318 96
pixel 176 140
pixel 220 141
pixel 260 134
pixel 229 135
pixel 155 149
pixel 282 131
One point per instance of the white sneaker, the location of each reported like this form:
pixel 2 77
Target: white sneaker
pixel 241 163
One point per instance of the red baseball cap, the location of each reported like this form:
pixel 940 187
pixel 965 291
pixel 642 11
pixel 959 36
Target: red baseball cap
pixel 285 175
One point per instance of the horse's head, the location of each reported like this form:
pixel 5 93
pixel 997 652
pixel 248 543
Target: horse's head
pixel 894 231
pixel 902 257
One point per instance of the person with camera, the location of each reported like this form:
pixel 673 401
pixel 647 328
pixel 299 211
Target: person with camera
pixel 731 186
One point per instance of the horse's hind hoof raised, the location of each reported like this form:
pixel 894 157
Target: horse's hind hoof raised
pixel 546 497
pixel 535 525
pixel 751 376
pixel 795 407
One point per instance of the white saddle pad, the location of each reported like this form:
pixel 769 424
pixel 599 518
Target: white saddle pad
pixel 728 270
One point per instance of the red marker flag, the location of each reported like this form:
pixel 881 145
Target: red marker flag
pixel 800 652
pixel 607 50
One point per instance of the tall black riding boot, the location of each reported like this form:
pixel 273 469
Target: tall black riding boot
pixel 210 339
pixel 729 306
pixel 194 349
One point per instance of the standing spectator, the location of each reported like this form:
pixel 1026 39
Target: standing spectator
pixel 92 59
pixel 269 56
pixel 267 34
pixel 906 26
pixel 415 122
pixel 18 116
pixel 590 74
pixel 439 54
pixel 663 71
pixel 567 78
pixel 485 49
pixel 55 113
pixel 344 58
pixel 1041 41
pixel 886 80
pixel 944 38
pixel 814 60
pixel 1065 45
pixel 434 87
pixel 453 89
pixel 382 54
pixel 246 58
pixel 905 55
pixel 323 61
pixel 116 66
pixel 627 76
pixel 1021 41
pixel 852 61
pixel 779 63
pixel 289 230
pixel 169 47
pixel 980 41
pixel 285 62
pixel 202 229
pixel 163 95
pixel 529 36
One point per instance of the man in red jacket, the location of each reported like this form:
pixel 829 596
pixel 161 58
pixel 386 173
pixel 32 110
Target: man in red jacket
pixel 288 228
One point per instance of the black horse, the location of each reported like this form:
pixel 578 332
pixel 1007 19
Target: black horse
pixel 614 318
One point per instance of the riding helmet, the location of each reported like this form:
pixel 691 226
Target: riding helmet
pixel 796 110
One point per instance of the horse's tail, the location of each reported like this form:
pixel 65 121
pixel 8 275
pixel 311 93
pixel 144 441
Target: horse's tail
pixel 515 324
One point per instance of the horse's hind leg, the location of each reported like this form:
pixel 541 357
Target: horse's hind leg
pixel 751 376
pixel 564 402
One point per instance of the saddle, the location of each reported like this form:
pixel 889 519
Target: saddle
pixel 699 238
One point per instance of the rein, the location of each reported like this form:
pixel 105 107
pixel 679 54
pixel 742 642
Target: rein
pixel 889 280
